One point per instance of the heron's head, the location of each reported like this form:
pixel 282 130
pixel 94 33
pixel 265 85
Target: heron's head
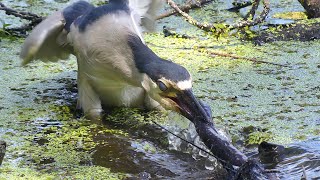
pixel 168 83
pixel 171 85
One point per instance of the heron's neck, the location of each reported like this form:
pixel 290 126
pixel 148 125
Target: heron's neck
pixel 145 59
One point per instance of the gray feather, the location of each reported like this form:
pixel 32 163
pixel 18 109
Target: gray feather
pixel 147 10
pixel 47 41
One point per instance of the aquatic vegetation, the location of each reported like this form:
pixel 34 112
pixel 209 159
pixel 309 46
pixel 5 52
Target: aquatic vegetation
pixel 47 138
pixel 258 137
pixel 291 15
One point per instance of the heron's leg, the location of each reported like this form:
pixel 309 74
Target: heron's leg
pixel 88 100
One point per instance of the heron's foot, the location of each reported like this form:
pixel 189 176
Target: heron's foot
pixel 94 114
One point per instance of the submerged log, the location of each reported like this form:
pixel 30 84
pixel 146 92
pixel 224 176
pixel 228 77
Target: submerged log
pixel 312 7
pixel 302 31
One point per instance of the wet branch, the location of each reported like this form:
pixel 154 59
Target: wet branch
pixel 239 5
pixel 261 18
pixel 214 53
pixel 222 54
pixel 312 7
pixel 185 8
pixel 211 27
pixel 24 15
pixel 203 26
pixel 21 31
pixel 253 10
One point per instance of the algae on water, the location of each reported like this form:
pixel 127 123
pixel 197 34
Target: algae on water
pixel 48 140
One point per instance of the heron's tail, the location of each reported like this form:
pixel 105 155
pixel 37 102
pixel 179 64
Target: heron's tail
pixel 48 40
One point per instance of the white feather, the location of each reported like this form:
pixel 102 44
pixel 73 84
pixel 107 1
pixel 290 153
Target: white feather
pixel 147 11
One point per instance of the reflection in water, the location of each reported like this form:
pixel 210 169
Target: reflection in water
pixel 141 158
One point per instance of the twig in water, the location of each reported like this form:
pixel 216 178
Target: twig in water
pixel 184 8
pixel 250 22
pixel 213 54
pixel 239 5
pixel 253 10
pixel 212 27
pixel 21 31
pixel 204 26
pixel 21 14
pixel 222 54
pixel 304 174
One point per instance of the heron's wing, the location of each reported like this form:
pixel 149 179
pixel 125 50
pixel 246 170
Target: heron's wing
pixel 47 41
pixel 147 10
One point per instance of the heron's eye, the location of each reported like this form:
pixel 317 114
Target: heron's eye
pixel 162 86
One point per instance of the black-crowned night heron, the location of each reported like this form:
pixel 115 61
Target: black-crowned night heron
pixel 115 67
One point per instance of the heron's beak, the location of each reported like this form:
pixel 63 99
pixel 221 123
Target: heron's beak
pixel 200 115
pixel 191 108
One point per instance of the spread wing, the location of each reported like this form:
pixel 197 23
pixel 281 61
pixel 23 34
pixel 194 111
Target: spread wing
pixel 47 41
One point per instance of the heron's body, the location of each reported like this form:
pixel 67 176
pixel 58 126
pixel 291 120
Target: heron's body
pixel 115 67
pixel 107 70
pixel 108 74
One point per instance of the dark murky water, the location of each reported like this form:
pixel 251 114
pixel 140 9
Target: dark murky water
pixel 299 157
pixel 130 156
pixel 141 154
